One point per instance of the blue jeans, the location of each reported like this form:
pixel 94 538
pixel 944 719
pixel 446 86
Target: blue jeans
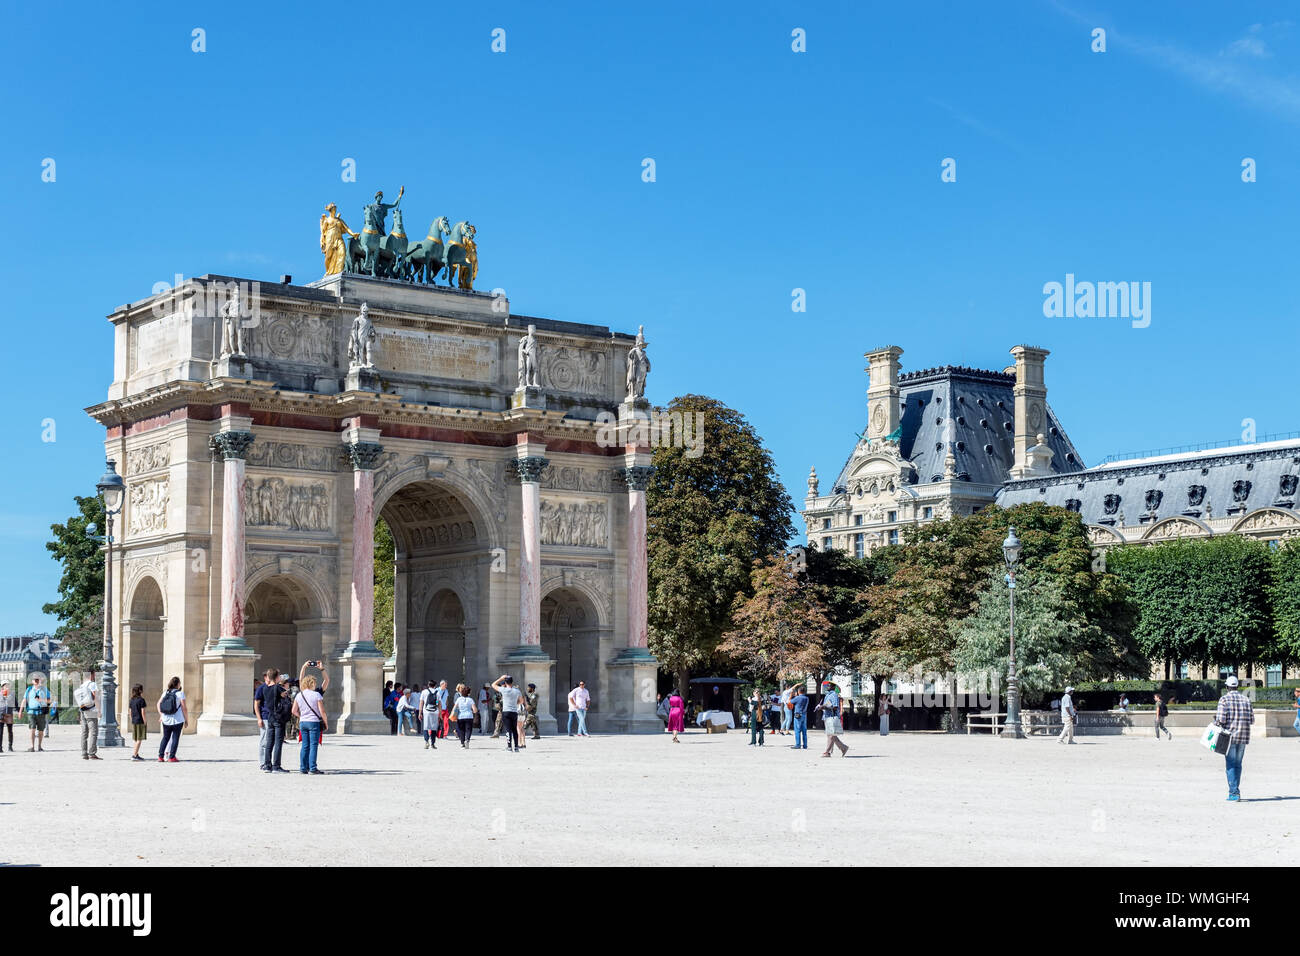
pixel 1296 725
pixel 1236 752
pixel 407 720
pixel 582 722
pixel 785 718
pixel 310 744
pixel 801 730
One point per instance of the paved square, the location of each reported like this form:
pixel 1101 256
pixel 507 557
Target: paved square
pixel 914 799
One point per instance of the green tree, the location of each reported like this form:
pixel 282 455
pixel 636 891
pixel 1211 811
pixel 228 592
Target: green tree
pixel 779 631
pixel 1285 598
pixel 710 515
pixel 1204 600
pixel 1054 645
pixel 840 580
pixel 80 607
pixel 385 587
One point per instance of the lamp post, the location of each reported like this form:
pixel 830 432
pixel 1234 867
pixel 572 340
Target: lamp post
pixel 112 489
pixel 1011 552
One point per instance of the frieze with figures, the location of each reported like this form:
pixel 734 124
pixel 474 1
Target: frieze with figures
pixel 575 478
pixel 289 455
pixel 293 506
pixel 303 339
pixel 567 369
pixel 574 523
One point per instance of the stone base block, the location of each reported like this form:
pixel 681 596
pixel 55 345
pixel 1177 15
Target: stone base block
pixel 362 380
pixel 362 676
pixel 528 397
pixel 234 366
pixel 227 693
pixel 633 682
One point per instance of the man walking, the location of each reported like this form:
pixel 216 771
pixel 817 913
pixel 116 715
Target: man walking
pixel 510 695
pixel 533 700
pixel 1068 714
pixel 36 701
pixel 1162 711
pixel 832 714
pixel 485 708
pixel 87 699
pixel 1235 715
pixel 278 709
pixel 579 699
pixel 800 711
pixel 444 704
pixel 260 712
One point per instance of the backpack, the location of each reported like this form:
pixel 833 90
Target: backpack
pixel 169 704
pixel 83 697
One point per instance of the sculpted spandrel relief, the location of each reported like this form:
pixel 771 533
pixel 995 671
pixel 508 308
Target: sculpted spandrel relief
pixel 304 339
pixel 280 503
pixel 575 523
pixel 289 455
pixel 147 506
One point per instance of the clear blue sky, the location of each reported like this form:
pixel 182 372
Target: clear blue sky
pixel 775 170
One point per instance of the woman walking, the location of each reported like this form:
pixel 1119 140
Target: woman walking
pixel 430 716
pixel 8 704
pixel 676 715
pixel 309 708
pixel 1296 725
pixel 174 717
pixel 139 732
pixel 464 709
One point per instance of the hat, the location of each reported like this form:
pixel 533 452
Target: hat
pixel 827 683
pixel 1069 690
pixel 1231 681
pixel 284 677
pixel 532 687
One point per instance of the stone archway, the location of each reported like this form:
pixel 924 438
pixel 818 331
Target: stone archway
pixel 571 636
pixel 142 650
pixel 284 627
pixel 443 546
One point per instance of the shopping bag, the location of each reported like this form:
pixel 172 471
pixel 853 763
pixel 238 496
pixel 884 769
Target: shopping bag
pixel 1217 739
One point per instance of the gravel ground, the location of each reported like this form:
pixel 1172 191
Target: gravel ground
pixel 919 799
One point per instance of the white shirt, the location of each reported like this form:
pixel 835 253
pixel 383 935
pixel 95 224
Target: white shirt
pixel 424 699
pixel 579 697
pixel 1067 705
pixel 404 702
pixel 93 710
pixel 178 716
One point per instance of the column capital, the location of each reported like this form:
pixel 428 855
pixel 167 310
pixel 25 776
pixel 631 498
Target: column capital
pixel 636 477
pixel 231 444
pixel 528 468
pixel 364 454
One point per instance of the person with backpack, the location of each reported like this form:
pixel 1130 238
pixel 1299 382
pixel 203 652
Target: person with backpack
pixel 279 712
pixel 309 706
pixel 756 709
pixel 431 711
pixel 139 732
pixel 36 701
pixel 174 717
pixel 1235 715
pixel 259 711
pixel 465 710
pixel 1162 711
pixel 86 698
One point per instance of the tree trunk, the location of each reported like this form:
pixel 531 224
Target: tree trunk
pixel 683 687
pixel 1167 663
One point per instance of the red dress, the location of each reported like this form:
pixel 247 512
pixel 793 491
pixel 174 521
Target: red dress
pixel 676 714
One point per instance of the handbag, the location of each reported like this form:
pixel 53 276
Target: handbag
pixel 1216 739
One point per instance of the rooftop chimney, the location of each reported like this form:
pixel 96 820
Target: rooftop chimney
pixel 882 394
pixel 1031 405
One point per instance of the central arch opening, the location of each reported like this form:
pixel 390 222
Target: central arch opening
pixel 440 546
pixel 571 637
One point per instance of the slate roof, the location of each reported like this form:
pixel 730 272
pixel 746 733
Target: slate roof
pixel 1234 480
pixel 974 409
pixel 40 647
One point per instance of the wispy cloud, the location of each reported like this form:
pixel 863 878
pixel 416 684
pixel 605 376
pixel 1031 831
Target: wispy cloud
pixel 976 124
pixel 1240 69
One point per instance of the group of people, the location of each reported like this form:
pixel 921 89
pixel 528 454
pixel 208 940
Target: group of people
pixel 37 704
pixel 283 706
pixel 787 714
pixel 497 707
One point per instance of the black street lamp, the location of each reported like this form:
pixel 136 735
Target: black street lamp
pixel 1011 552
pixel 112 489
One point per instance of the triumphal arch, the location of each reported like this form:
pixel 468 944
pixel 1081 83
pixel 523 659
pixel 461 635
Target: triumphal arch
pixel 262 428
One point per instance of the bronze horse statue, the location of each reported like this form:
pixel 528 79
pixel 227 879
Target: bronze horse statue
pixel 462 256
pixel 425 259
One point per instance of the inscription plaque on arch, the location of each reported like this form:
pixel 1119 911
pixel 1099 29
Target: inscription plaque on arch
pixel 436 354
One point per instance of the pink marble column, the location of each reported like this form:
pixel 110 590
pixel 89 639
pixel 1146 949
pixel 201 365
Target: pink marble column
pixel 364 457
pixel 233 446
pixel 637 478
pixel 530 550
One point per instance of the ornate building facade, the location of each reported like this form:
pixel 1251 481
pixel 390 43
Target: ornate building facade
pixel 257 455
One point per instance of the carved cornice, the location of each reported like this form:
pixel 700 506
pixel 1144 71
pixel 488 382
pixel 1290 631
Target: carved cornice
pixel 364 454
pixel 232 444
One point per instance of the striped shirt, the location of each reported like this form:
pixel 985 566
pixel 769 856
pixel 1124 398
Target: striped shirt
pixel 1235 715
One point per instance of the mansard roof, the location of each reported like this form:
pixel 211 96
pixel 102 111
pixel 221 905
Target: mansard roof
pixel 974 409
pixel 1232 481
